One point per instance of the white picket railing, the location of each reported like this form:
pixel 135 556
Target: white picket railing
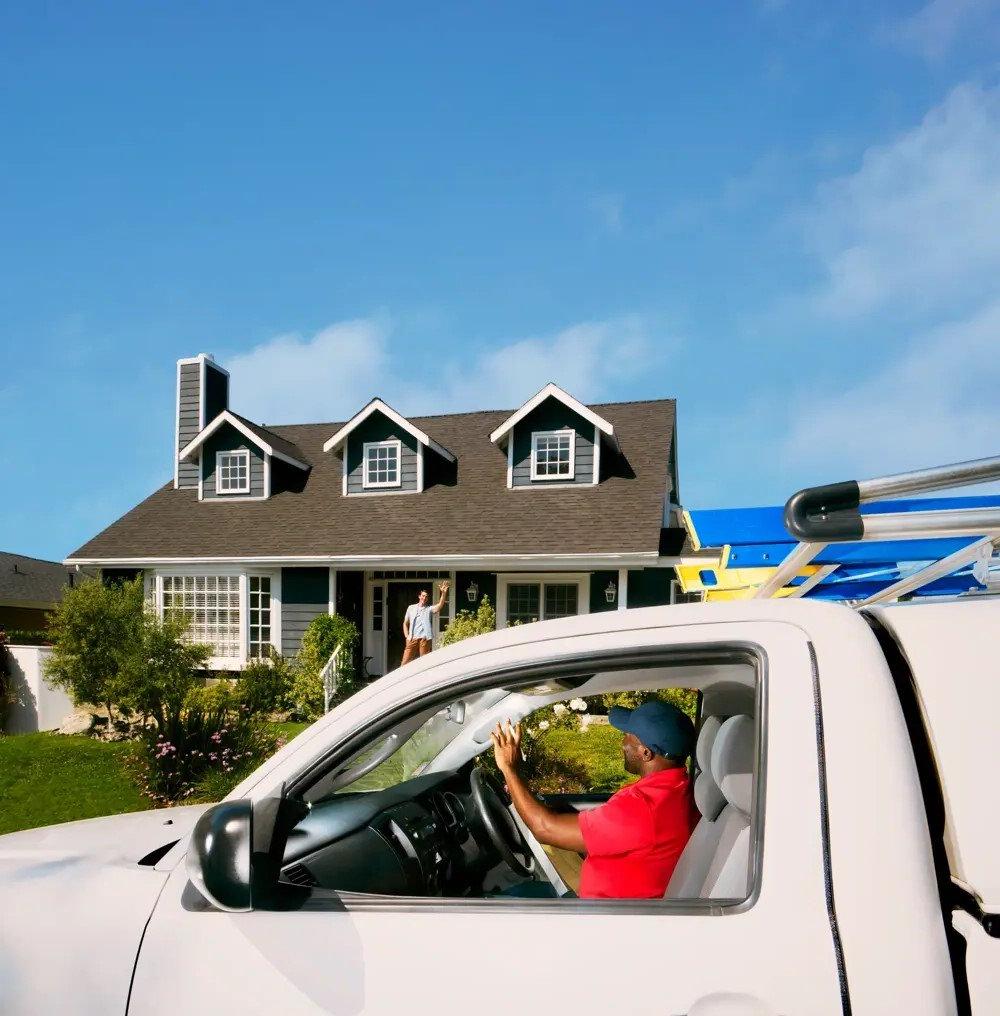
pixel 331 676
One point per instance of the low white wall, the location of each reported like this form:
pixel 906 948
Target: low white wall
pixel 38 707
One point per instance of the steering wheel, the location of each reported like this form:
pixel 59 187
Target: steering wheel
pixel 500 826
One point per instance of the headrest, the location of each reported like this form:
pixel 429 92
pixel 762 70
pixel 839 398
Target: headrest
pixel 706 738
pixel 732 761
pixel 707 795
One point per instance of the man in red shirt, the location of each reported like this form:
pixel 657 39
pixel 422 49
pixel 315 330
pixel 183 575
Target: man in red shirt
pixel 633 841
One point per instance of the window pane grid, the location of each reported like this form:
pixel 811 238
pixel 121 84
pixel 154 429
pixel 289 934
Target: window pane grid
pixel 260 616
pixel 233 472
pixel 211 606
pixel 560 600
pixel 552 454
pixel 523 603
pixel 382 464
pixel 377 607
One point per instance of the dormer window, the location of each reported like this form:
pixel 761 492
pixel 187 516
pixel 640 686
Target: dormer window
pixel 383 453
pixel 233 472
pixel 554 441
pixel 382 464
pixel 552 454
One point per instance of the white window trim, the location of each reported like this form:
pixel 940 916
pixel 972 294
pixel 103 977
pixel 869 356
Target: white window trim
pixel 563 477
pixel 580 579
pixel 371 484
pixel 243 453
pixel 230 662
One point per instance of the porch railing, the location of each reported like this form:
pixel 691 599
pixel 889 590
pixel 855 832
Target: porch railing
pixel 331 675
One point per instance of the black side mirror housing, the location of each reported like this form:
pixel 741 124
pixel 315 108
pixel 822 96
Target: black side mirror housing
pixel 219 858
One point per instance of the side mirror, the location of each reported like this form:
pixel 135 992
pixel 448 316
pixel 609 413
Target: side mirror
pixel 219 856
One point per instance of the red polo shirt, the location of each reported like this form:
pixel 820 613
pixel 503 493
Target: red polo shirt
pixel 634 840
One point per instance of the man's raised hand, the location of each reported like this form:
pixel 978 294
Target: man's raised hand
pixel 507 746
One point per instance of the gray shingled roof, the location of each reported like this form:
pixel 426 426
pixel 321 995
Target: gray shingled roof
pixel 275 440
pixel 477 515
pixel 30 580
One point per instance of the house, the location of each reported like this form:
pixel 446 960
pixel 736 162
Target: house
pixel 551 509
pixel 29 588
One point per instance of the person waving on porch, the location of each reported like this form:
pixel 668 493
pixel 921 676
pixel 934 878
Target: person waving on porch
pixel 418 624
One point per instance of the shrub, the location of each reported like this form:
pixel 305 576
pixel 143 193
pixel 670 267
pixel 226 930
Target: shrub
pixel 219 696
pixel 466 624
pixel 265 686
pixel 160 669
pixel 21 637
pixel 197 742
pixel 686 699
pixel 8 692
pixel 94 629
pixel 323 635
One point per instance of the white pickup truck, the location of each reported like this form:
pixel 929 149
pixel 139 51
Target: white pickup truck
pixel 846 859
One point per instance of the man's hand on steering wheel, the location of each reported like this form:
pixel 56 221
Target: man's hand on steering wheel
pixel 507 747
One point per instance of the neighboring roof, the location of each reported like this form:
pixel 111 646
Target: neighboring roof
pixel 274 444
pixel 475 515
pixel 552 391
pixel 29 581
pixel 378 406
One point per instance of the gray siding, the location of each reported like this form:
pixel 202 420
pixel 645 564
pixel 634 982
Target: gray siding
pixel 228 438
pixel 295 619
pixel 188 420
pixel 379 428
pixel 304 595
pixel 552 415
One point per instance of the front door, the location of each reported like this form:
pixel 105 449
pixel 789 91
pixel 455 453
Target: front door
pixel 400 596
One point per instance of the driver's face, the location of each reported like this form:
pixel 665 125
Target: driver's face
pixel 631 753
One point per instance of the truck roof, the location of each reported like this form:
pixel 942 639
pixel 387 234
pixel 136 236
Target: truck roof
pixel 953 650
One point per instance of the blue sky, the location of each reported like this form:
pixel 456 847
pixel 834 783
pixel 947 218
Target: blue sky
pixel 784 214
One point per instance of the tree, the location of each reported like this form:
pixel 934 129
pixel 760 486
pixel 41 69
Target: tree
pixel 159 669
pixel 93 629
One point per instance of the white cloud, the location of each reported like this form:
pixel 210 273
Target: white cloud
pixel 932 30
pixel 934 403
pixel 917 227
pixel 292 379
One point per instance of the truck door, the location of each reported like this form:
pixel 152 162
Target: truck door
pixel 774 952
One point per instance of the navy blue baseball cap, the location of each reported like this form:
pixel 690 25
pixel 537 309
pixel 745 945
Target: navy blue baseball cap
pixel 660 726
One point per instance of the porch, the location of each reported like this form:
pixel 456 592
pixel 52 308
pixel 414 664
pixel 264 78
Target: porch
pixel 242 611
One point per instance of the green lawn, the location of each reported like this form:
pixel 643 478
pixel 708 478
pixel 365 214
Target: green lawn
pixel 575 761
pixel 47 778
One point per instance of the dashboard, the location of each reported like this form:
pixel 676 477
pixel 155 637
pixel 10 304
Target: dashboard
pixel 422 837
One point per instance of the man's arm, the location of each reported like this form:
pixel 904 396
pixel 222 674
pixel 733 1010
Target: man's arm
pixel 547 826
pixel 444 593
pixel 406 625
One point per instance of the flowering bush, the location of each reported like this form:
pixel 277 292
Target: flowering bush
pixel 197 742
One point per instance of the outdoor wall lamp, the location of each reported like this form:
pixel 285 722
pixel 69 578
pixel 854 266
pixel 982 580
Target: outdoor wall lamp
pixel 611 592
pixel 472 592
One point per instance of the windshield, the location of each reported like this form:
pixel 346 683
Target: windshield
pixel 399 756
